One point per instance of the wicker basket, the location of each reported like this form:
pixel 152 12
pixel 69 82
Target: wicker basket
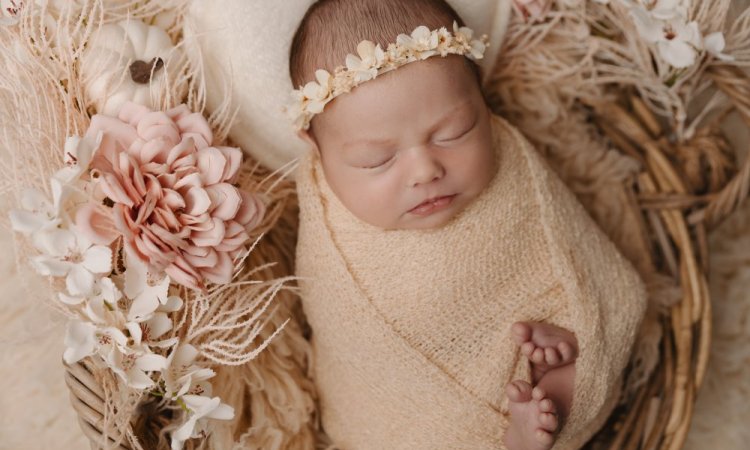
pixel 680 204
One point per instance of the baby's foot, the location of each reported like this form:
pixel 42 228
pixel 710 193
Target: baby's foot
pixel 533 418
pixel 546 346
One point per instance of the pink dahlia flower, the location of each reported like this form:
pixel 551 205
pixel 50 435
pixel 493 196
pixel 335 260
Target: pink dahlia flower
pixel 169 193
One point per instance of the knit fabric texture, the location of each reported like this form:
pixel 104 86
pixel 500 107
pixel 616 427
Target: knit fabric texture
pixel 411 328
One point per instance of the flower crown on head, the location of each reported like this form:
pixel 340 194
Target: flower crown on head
pixel 372 61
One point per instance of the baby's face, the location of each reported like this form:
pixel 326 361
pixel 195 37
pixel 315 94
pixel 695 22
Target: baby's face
pixel 419 132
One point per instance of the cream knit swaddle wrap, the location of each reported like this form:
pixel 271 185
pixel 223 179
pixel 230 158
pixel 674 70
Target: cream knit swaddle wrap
pixel 411 328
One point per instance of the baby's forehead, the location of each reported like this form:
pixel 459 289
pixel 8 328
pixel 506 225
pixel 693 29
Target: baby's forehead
pixel 434 78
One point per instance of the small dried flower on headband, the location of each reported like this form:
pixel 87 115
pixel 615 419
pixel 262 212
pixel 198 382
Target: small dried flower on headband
pixel 372 61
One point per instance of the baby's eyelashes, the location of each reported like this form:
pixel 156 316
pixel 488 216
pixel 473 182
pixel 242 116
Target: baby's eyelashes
pixel 457 136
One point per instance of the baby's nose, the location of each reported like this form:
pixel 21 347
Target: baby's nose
pixel 425 167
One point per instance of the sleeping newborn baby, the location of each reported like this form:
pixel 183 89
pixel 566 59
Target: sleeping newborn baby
pixel 459 295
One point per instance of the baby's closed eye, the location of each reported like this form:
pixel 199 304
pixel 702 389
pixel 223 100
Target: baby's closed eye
pixel 456 132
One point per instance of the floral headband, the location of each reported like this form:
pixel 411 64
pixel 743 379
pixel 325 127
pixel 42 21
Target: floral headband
pixel 373 61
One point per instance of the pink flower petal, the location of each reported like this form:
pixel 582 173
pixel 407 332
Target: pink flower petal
pixel 135 147
pixel 211 237
pixel 186 147
pixel 196 223
pixel 197 201
pixel 112 189
pixel 154 254
pixel 180 271
pixel 145 210
pixel 132 113
pixel 225 201
pixel 131 176
pixel 155 150
pixel 186 162
pixel 123 222
pixel 195 126
pixel 210 259
pixel 167 180
pixel 252 210
pixel 178 112
pixel 233 156
pixel 154 169
pixel 221 273
pixel 155 125
pixel 192 180
pixel 171 200
pixel 197 251
pixel 234 237
pixel 166 219
pixel 211 164
pixel 171 239
pixel 117 135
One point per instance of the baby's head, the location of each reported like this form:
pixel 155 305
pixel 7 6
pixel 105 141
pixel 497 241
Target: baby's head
pixel 415 133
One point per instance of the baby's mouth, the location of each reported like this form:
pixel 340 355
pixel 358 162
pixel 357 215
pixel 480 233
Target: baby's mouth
pixel 428 205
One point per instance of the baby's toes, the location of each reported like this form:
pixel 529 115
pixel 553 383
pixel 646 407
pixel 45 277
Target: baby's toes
pixel 552 356
pixel 547 406
pixel 537 357
pixel 548 421
pixel 521 332
pixel 545 438
pixel 538 394
pixel 518 391
pixel 567 352
pixel 527 348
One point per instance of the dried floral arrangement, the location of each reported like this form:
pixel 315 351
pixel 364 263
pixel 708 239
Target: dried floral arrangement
pixel 628 99
pixel 165 246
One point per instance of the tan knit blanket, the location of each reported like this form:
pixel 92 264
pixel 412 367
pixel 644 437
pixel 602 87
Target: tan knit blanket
pixel 411 328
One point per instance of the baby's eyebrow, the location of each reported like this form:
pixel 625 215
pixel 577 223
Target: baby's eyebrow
pixel 385 142
pixel 370 142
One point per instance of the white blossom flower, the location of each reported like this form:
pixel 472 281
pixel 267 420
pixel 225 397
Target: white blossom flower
pixel 318 94
pixel 295 109
pixel 365 67
pixel 146 289
pixel 80 341
pixel 66 254
pixel 464 35
pixel 444 41
pixel 103 328
pixel 678 41
pixel 421 44
pixel 200 408
pixel 123 344
pixel 133 367
pixel 147 331
pixel 182 377
pixel 77 155
pixel 38 212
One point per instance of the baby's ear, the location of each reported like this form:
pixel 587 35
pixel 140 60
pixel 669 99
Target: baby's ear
pixel 309 139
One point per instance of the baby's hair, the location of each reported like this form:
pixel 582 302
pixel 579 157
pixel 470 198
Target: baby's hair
pixel 332 28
